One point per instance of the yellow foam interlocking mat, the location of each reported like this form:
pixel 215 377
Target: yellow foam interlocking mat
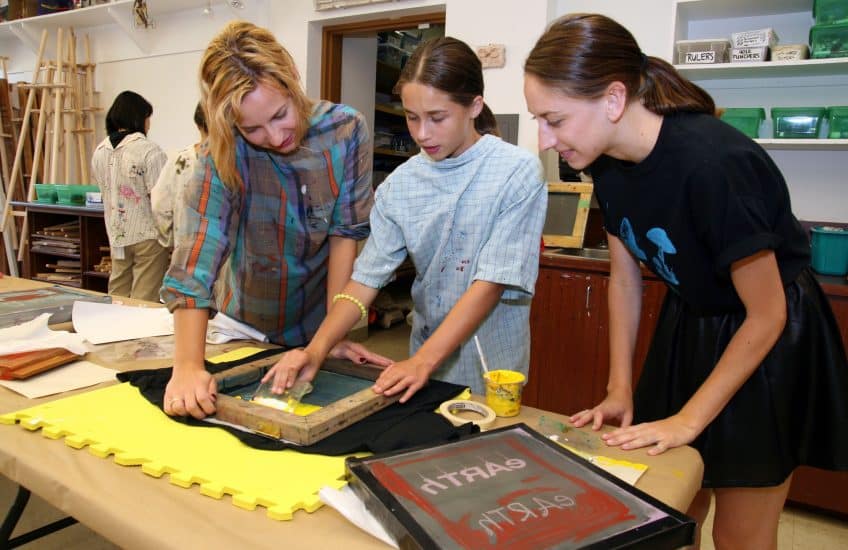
pixel 118 421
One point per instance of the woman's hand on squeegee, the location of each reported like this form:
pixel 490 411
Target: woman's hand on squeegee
pixel 295 364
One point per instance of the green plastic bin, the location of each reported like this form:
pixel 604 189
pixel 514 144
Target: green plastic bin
pixel 45 193
pixel 745 119
pixel 72 194
pixel 797 122
pixel 830 11
pixel 830 250
pixel 829 41
pixel 837 119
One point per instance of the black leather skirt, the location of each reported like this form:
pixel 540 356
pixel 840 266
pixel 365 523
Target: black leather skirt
pixel 793 410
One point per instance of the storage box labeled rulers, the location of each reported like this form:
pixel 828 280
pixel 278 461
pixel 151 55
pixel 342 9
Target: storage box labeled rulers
pixel 510 488
pixel 21 306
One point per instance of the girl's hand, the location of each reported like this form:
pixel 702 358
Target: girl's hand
pixel 358 354
pixel 409 375
pixel 190 392
pixel 618 405
pixel 663 435
pixel 294 364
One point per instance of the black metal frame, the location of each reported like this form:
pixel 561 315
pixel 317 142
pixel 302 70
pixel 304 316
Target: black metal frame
pixel 14 514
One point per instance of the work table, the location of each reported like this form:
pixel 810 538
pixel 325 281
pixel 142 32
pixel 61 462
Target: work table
pixel 135 510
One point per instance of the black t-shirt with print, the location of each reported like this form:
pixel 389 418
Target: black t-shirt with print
pixel 705 197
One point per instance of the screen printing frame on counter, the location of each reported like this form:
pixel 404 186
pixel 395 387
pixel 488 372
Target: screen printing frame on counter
pixel 568 211
pixel 511 487
pixel 294 428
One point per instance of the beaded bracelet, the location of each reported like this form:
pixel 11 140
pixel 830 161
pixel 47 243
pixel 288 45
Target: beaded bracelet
pixel 355 300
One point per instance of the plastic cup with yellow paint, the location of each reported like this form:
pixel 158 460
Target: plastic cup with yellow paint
pixel 503 391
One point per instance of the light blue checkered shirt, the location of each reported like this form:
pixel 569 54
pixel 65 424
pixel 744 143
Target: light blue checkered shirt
pixel 475 217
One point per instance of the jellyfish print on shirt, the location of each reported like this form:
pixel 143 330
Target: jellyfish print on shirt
pixel 657 236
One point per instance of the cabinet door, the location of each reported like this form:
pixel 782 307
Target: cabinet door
pixel 821 488
pixel 653 293
pixel 565 322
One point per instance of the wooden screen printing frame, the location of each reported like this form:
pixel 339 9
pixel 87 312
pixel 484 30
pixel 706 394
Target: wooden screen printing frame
pixel 397 488
pixel 300 430
pixel 574 237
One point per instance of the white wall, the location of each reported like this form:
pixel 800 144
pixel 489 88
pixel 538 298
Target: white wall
pixel 516 25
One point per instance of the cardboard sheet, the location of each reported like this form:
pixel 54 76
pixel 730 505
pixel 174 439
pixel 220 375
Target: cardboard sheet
pixel 72 376
pixel 117 421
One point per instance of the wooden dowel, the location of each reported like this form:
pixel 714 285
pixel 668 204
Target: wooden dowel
pixel 19 152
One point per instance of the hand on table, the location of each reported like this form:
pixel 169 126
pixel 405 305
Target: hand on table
pixel 663 434
pixel 617 406
pixel 192 392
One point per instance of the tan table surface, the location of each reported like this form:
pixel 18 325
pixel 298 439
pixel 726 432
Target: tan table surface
pixel 135 510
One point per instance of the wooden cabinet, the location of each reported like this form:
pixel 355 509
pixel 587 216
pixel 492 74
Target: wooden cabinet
pixel 87 245
pixel 569 327
pixel 812 487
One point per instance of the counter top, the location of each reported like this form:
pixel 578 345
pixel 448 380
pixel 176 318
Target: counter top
pixel 832 285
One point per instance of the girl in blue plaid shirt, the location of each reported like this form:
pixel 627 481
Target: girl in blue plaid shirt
pixel 468 210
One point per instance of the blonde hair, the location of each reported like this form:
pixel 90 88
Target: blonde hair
pixel 241 57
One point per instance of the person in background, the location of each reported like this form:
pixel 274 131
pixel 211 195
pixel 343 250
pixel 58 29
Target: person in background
pixel 166 196
pixel 746 364
pixel 281 199
pixel 468 210
pixel 125 165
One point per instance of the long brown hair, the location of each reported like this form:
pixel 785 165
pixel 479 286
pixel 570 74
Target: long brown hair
pixel 581 54
pixel 449 65
pixel 241 57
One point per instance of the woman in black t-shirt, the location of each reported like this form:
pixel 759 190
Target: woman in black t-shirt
pixel 746 364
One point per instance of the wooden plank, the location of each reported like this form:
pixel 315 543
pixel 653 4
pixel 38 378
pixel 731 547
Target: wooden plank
pixel 301 430
pixel 19 366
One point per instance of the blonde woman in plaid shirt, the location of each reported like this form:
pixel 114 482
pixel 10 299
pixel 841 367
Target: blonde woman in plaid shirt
pixel 274 215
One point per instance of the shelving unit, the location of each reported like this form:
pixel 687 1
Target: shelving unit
pixel 389 118
pixel 92 236
pixel 116 12
pixel 814 168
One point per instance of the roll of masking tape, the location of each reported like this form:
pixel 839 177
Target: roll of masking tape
pixel 448 408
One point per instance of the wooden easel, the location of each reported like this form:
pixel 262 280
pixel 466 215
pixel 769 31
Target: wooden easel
pixel 7 132
pixel 7 225
pixel 67 95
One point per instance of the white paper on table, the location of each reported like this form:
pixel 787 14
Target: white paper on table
pixel 104 323
pixel 35 335
pixel 353 509
pixel 222 329
pixel 72 376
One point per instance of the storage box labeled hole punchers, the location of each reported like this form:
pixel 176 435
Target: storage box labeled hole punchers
pixel 510 488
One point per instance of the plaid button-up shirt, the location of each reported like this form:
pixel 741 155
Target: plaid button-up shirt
pixel 270 239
